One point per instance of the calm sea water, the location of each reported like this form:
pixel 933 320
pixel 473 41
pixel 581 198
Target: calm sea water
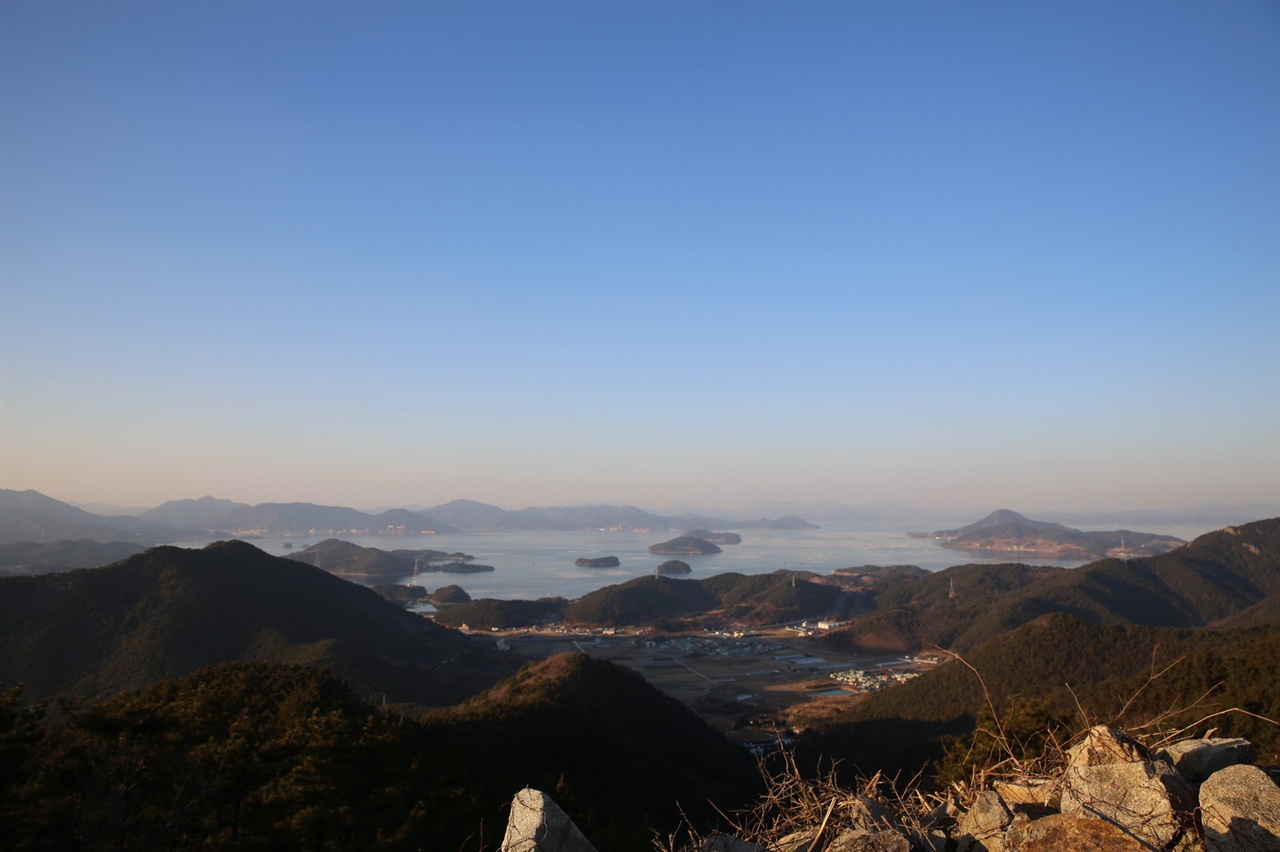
pixel 540 564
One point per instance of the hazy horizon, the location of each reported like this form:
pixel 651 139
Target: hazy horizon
pixel 896 512
pixel 936 254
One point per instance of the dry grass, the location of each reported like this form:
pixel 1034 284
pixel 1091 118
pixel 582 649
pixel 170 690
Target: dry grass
pixel 813 811
pixel 793 804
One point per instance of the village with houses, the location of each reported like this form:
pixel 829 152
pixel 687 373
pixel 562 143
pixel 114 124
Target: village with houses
pixel 746 683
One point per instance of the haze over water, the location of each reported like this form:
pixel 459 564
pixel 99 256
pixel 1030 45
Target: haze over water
pixel 532 565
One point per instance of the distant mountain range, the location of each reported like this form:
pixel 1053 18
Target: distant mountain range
pixel 470 515
pixel 193 514
pixel 33 517
pixel 1208 515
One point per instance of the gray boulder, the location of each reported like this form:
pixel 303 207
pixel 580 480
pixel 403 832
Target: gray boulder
pixel 1103 745
pixel 797 841
pixel 1148 799
pixel 1240 811
pixel 856 840
pixel 866 813
pixel 1058 833
pixel 729 843
pixel 982 827
pixel 1196 760
pixel 537 824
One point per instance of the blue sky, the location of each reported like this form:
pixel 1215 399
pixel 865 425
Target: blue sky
pixel 945 254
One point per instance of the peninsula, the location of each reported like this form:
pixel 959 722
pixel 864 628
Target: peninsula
pixel 1006 530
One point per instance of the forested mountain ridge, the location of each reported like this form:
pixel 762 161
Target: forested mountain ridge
pixel 347 559
pixel 1211 578
pixel 301 518
pixel 31 516
pixel 277 756
pixel 471 515
pixel 756 599
pixel 28 557
pixel 168 611
pixel 1061 673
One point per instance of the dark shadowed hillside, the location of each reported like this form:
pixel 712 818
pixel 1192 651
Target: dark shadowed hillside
pixel 487 613
pixel 169 611
pixel 1042 673
pixel 1211 578
pixel 273 756
pixel 595 733
pixel 910 612
pixel 28 557
pixel 640 601
pixel 738 598
pixel 731 598
pixel 1265 611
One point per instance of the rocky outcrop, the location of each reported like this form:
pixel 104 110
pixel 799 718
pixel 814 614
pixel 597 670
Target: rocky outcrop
pixel 1058 833
pixel 537 824
pixel 1149 799
pixel 1240 810
pixel 983 825
pixel 1112 795
pixel 1196 760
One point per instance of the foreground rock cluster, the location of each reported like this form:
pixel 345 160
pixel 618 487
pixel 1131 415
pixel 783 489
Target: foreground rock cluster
pixel 1113 795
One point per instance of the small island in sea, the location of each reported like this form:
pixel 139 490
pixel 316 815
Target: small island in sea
pixel 716 537
pixel 685 544
pixel 452 568
pixel 673 566
pixel 598 562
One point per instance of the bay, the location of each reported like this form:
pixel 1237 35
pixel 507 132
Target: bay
pixel 532 565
